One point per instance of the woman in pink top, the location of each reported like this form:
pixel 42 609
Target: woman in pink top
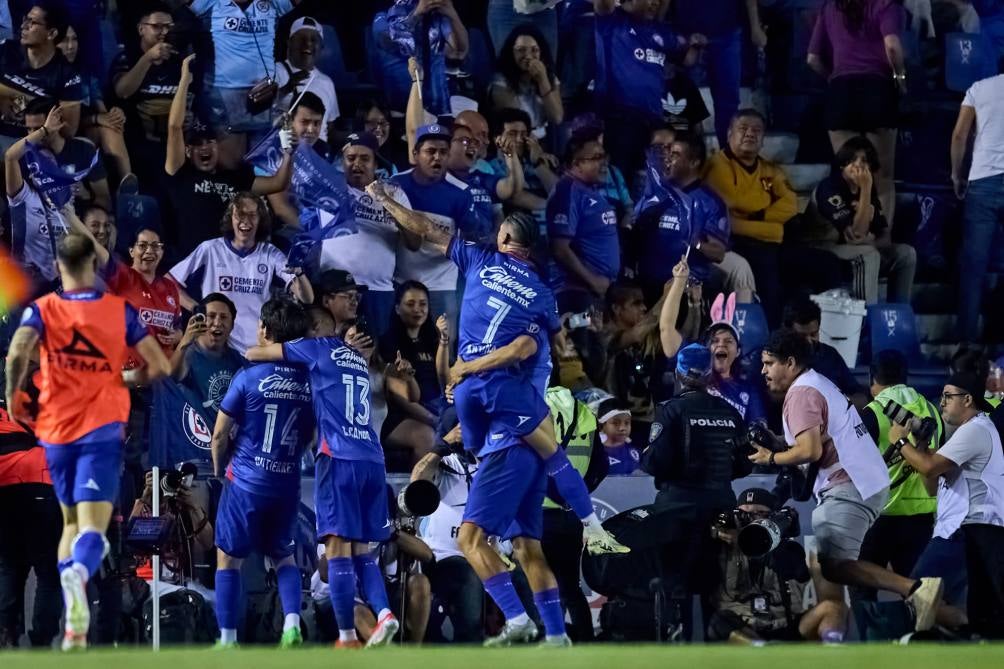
pixel 855 45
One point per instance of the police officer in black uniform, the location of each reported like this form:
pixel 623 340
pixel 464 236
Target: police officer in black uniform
pixel 697 446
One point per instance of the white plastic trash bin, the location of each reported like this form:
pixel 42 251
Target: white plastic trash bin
pixel 841 323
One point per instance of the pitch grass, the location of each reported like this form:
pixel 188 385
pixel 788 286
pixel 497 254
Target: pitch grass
pixel 851 656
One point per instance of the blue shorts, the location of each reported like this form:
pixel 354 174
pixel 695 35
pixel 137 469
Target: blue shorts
pixel 497 409
pixel 87 472
pixel 247 522
pixel 507 494
pixel 350 499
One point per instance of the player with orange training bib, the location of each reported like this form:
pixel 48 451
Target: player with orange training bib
pixel 84 336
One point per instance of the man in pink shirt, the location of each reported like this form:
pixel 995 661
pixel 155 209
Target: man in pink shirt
pixel 823 430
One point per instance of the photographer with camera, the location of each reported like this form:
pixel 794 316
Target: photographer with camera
pixel 903 530
pixel 695 450
pixel 184 533
pixel 823 430
pixel 969 473
pixel 764 574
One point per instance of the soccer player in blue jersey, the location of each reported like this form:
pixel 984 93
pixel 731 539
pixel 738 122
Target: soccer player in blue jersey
pixel 350 493
pixel 271 405
pixel 507 318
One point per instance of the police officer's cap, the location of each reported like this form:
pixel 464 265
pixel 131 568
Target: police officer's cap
pixel 694 361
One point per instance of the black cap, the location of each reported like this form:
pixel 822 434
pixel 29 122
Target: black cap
pixel 758 496
pixel 974 384
pixel 337 281
pixel 199 132
pixel 364 138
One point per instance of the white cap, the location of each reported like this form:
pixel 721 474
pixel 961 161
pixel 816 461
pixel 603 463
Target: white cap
pixel 306 23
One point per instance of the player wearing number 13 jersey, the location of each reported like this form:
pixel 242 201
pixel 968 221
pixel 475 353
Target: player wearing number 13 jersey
pixel 271 406
pixel 350 493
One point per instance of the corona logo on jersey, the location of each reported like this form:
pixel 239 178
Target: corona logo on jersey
pixel 80 355
pixel 196 429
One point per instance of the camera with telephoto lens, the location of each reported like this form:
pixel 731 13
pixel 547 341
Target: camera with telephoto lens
pixel 176 479
pixel 922 429
pixel 418 498
pixel 759 537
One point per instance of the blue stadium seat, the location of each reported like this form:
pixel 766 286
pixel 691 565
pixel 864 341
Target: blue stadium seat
pixel 751 322
pixel 480 61
pixel 893 326
pixel 331 62
pixel 968 58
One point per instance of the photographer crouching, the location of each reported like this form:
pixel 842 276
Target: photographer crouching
pixel 696 448
pixel 184 532
pixel 764 575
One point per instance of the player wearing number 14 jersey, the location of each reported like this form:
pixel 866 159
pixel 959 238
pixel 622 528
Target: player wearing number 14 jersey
pixel 350 485
pixel 271 405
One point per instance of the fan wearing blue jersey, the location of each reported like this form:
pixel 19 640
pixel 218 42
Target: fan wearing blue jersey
pixel 350 496
pixel 270 405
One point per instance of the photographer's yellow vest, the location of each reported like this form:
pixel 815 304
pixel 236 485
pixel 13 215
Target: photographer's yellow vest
pixel 580 444
pixel 907 494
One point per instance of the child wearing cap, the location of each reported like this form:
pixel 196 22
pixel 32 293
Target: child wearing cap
pixel 614 417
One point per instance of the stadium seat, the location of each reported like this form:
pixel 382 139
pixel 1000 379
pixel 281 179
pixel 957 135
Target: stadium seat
pixel 893 326
pixel 331 62
pixel 751 322
pixel 968 58
pixel 480 60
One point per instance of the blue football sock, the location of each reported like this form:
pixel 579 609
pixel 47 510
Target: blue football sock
pixel 228 597
pixel 371 582
pixel 88 550
pixel 342 586
pixel 500 588
pixel 290 588
pixel 64 564
pixel 569 483
pixel 549 606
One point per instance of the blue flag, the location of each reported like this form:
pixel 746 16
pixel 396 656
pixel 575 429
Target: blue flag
pixel 49 178
pixel 320 190
pixel 181 428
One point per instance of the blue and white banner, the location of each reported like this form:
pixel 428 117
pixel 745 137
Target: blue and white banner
pixel 181 428
pixel 54 181
pixel 320 190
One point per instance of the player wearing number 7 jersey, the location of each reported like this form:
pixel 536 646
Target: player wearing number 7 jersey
pixel 506 321
pixel 350 496
pixel 271 405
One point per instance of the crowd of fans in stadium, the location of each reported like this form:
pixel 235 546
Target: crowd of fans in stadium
pixel 224 152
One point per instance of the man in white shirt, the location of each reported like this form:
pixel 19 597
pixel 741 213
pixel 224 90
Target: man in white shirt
pixel 969 473
pixel 370 251
pixel 299 73
pixel 982 112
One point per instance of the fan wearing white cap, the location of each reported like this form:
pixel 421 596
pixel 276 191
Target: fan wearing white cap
pixel 299 72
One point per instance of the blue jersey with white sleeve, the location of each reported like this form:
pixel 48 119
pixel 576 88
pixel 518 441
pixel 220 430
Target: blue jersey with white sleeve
pixel 340 384
pixel 271 404
pixel 504 298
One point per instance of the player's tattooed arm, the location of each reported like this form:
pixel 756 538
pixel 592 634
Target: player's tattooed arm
pixel 409 220
pixel 221 443
pixel 18 356
pixel 269 353
pixel 514 352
